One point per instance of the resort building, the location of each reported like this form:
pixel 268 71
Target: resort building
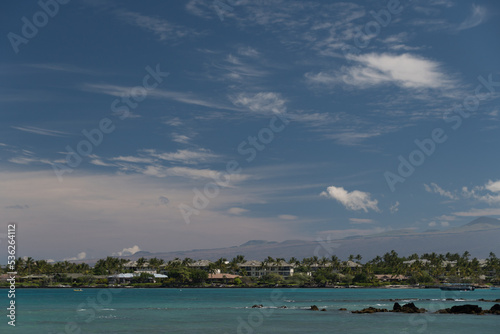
pixel 204 265
pixel 136 268
pixel 257 268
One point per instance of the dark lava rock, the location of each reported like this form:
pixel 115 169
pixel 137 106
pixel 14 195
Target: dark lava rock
pixel 323 309
pixel 371 310
pixel 314 308
pixel 407 308
pixel 495 309
pixel 258 306
pixel 284 306
pixel 463 309
pixel 411 308
pixel 467 309
pixel 342 309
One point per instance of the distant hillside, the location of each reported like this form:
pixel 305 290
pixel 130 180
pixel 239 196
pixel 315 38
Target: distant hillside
pixel 480 237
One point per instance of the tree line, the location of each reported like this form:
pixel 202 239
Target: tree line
pixel 426 268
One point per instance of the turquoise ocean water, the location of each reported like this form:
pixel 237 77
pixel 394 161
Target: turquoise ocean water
pixel 229 311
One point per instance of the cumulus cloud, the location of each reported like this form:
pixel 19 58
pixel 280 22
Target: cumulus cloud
pixel 128 251
pixel 434 188
pixel 355 200
pixel 395 207
pixel 493 186
pixel 80 256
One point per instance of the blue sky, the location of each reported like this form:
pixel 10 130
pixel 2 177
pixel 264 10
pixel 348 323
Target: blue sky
pixel 175 125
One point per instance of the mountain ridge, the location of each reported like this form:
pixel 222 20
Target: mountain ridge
pixel 479 237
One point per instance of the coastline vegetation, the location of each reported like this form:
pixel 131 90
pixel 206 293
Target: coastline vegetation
pixel 429 269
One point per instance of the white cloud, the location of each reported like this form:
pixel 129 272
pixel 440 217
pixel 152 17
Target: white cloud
pixel 355 200
pixel 405 70
pixel 434 188
pixel 132 159
pixel 445 224
pixel 99 162
pixel 432 224
pixel 478 16
pixel 184 156
pixel 80 256
pixel 493 186
pixel 248 51
pixel 360 221
pixel 491 197
pixel 176 121
pixel 287 217
pixel 395 207
pixel 236 211
pixel 128 251
pixel 262 103
pixel 182 139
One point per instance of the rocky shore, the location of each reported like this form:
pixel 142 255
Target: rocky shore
pixel 411 308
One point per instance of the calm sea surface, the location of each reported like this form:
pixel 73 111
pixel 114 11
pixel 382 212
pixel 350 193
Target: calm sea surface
pixel 229 311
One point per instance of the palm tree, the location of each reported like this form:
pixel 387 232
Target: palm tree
pixel 20 265
pixel 187 261
pixel 155 263
pixel 140 262
pixel 212 268
pixel 29 263
pixel 239 259
pixel 221 264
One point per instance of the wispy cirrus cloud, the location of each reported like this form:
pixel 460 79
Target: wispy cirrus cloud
pixel 68 68
pixel 236 211
pixel 41 131
pixel 165 30
pixel 183 97
pixel 478 15
pixel 361 221
pixel 184 156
